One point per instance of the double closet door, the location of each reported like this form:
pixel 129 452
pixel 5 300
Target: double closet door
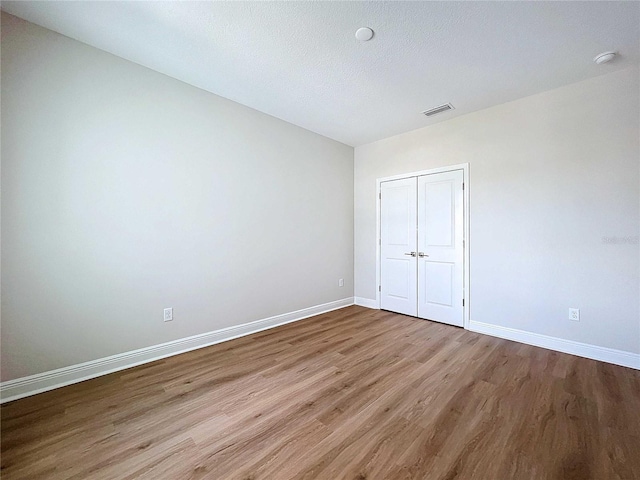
pixel 421 247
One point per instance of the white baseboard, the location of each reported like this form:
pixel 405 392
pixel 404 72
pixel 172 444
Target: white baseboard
pixel 42 382
pixel 366 302
pixel 609 355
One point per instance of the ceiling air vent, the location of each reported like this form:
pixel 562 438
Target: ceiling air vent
pixel 435 111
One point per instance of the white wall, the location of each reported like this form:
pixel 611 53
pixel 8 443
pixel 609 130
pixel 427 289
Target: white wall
pixel 125 191
pixel 551 175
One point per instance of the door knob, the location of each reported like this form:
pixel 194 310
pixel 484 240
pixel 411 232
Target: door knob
pixel 413 254
pixel 421 255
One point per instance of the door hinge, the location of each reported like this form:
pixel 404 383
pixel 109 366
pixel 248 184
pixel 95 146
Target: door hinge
pixel 463 302
pixel 463 185
pixel 380 195
pixel 379 241
pixel 379 288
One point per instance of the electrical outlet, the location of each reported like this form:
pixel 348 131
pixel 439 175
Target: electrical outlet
pixel 341 282
pixel 574 314
pixel 168 314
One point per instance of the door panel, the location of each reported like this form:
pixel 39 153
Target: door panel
pixel 397 240
pixel 439 283
pixel 398 274
pixel 440 213
pixel 440 240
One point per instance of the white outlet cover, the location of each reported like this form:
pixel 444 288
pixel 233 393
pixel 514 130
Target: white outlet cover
pixel 168 314
pixel 574 314
pixel 341 282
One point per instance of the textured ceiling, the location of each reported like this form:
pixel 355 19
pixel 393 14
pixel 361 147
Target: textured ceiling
pixel 300 61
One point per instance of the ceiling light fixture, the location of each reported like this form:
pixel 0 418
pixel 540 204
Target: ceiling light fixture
pixel 604 57
pixel 364 34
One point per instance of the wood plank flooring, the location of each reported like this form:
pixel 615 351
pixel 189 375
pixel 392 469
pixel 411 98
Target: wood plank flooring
pixel 351 394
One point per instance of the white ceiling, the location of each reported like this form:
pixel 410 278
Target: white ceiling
pixel 300 61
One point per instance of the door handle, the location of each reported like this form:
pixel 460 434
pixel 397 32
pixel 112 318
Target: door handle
pixel 421 255
pixel 413 254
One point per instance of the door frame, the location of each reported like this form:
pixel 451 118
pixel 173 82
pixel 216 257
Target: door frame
pixel 465 194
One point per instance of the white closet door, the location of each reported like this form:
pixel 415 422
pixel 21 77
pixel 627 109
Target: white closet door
pixel 398 260
pixel 440 247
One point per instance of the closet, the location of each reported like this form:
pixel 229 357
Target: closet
pixel 422 246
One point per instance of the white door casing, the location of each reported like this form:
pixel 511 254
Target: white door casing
pixel 398 251
pixel 440 247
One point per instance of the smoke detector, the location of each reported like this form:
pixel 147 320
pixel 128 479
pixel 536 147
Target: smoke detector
pixel 436 110
pixel 604 57
pixel 364 34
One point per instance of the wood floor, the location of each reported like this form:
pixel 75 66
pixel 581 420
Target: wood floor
pixel 352 394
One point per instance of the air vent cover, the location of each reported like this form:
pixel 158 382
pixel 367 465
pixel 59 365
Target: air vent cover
pixel 437 110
